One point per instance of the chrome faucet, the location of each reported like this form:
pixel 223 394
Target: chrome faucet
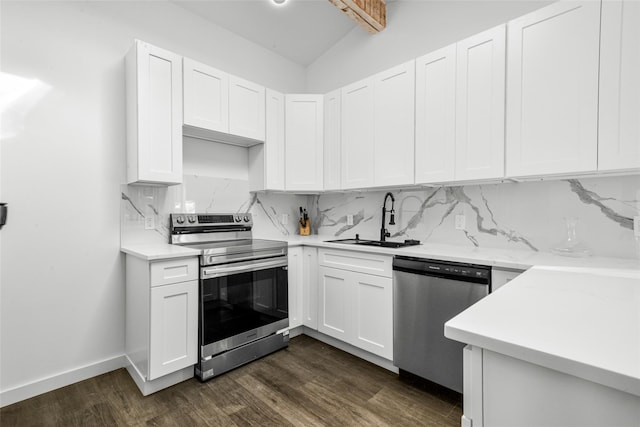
pixel 384 233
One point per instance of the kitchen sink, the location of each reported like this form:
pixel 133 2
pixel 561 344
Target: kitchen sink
pixel 378 243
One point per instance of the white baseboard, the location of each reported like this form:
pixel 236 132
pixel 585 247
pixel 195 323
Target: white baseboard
pixel 362 354
pixel 149 387
pixel 32 389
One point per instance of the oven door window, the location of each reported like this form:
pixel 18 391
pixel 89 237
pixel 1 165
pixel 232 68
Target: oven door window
pixel 241 302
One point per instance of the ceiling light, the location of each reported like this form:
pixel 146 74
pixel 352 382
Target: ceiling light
pixel 279 2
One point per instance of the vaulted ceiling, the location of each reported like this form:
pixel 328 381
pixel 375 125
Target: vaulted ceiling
pixel 300 30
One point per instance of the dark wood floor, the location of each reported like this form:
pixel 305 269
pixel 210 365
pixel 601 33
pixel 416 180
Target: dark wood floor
pixel 308 384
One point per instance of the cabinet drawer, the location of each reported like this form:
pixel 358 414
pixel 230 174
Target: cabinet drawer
pixel 361 262
pixel 174 271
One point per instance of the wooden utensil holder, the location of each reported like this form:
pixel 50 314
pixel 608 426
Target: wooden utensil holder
pixel 305 227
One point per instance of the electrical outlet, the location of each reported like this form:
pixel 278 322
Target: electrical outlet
pixel 149 222
pixel 636 225
pixel 285 219
pixel 349 219
pixel 460 222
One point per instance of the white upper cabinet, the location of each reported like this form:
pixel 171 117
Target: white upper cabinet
pixel 619 129
pixel 394 118
pixel 267 161
pixel 480 80
pixel 357 134
pixel 332 147
pixel 357 131
pixel 274 141
pixel 222 107
pixel 304 128
pixel 206 96
pixel 552 90
pixel 435 116
pixel 246 109
pixel 154 115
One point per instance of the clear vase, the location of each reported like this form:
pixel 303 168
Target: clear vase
pixel 572 246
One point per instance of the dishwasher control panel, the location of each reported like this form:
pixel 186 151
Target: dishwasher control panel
pixel 445 269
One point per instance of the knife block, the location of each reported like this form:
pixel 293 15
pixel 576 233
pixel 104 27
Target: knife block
pixel 305 227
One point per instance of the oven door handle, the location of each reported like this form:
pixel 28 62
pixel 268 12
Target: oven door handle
pixel 243 267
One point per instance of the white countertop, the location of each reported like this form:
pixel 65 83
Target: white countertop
pixel 158 251
pixel 495 257
pixel 581 321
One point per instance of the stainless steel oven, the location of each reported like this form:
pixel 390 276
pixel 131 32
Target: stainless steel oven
pixel 243 304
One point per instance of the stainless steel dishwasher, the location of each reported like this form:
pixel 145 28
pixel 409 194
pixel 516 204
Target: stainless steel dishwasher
pixel 426 294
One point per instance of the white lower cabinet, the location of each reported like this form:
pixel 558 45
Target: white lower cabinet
pixel 502 276
pixel 161 325
pixel 500 390
pixel 356 307
pixel 310 287
pixel 173 337
pixel 333 307
pixel 295 278
pixel 303 289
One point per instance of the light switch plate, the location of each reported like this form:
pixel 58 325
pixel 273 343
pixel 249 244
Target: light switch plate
pixel 349 219
pixel 149 222
pixel 460 222
pixel 636 225
pixel 285 219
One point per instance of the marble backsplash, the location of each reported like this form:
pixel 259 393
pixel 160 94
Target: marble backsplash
pixel 527 216
pixel 204 194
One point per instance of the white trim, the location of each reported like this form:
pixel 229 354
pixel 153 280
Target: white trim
pixel 362 354
pixel 53 382
pixel 149 387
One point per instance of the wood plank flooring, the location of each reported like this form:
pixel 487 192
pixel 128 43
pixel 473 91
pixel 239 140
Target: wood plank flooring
pixel 308 384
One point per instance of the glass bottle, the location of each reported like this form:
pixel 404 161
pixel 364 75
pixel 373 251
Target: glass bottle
pixel 572 246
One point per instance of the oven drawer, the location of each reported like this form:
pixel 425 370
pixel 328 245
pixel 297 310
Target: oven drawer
pixel 174 271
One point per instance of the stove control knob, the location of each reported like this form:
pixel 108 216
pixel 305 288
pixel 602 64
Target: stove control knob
pixel 191 218
pixel 238 218
pixel 246 218
pixel 180 219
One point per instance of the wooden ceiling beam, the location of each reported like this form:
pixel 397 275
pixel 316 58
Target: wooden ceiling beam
pixel 369 14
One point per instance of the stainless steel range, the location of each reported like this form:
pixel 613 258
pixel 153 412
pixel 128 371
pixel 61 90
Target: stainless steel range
pixel 243 301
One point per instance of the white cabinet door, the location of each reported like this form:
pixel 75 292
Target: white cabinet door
pixel 296 279
pixel 246 109
pixel 335 309
pixel 435 116
pixel 310 287
pixel 274 166
pixel 303 141
pixel 552 90
pixel 267 161
pixel 394 123
pixel 154 115
pixel 373 314
pixel 357 135
pixel 619 110
pixel 206 96
pixel 173 338
pixel 332 169
pixel 480 107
